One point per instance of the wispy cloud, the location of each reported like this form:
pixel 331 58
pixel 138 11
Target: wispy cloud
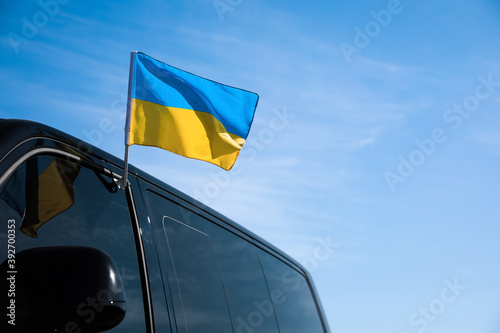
pixel 488 138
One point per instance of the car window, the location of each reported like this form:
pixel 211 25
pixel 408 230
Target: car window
pixel 295 307
pixel 221 272
pixel 51 201
pixel 197 277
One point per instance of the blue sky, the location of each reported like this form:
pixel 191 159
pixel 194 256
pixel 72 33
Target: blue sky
pixel 376 134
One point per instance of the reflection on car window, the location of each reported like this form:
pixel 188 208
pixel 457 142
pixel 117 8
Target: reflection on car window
pixel 56 202
pixel 40 197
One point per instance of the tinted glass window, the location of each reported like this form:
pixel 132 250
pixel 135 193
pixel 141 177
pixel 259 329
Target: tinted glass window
pixel 295 307
pixel 198 279
pixel 246 288
pixel 237 260
pixel 55 202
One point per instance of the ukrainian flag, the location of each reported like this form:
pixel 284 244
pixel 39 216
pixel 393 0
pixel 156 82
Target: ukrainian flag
pixel 187 114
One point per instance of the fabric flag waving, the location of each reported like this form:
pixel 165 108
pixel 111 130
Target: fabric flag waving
pixel 186 114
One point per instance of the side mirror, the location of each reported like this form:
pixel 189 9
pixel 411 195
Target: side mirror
pixel 62 289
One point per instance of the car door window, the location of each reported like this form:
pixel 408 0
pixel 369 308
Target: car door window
pixel 54 201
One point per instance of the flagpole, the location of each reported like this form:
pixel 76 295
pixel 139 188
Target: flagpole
pixel 123 182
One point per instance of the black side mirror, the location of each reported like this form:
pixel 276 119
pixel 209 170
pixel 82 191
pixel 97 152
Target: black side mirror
pixel 62 289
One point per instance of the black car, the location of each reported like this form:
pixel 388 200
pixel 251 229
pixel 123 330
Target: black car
pixel 81 254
